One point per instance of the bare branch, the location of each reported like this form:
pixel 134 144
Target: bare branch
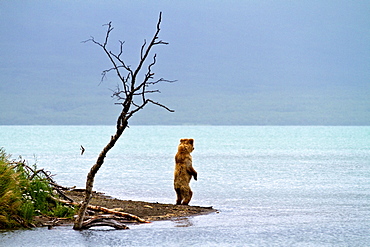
pixel 121 61
pixel 145 103
pixel 110 28
pixel 138 108
pixel 121 47
pixel 104 72
pixel 160 43
pixel 149 74
pixel 92 40
pixel 159 104
pixel 160 80
pixel 151 44
pixel 147 91
pixel 142 49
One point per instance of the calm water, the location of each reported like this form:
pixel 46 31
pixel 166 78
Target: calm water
pixel 273 186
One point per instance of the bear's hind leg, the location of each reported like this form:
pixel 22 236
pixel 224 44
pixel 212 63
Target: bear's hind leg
pixel 187 198
pixel 179 197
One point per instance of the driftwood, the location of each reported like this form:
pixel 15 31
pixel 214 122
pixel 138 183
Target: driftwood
pixel 115 219
pixel 110 211
pixel 106 220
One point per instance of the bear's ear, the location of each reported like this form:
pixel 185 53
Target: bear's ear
pixel 182 140
pixel 191 141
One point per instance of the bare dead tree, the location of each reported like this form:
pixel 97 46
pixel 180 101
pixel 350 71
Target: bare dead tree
pixel 132 97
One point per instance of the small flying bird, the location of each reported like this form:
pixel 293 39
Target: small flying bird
pixel 82 150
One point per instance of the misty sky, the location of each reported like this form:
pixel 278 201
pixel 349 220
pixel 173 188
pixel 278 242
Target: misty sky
pixel 235 62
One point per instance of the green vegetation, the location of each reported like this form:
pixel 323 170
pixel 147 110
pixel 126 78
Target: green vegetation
pixel 25 193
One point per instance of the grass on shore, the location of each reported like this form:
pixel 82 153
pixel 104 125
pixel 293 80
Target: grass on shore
pixel 26 193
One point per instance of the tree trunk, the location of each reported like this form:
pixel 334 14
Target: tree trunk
pixel 90 177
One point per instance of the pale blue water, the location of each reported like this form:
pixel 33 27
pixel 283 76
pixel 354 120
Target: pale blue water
pixel 273 186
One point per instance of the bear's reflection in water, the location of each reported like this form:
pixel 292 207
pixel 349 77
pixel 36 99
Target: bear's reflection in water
pixel 183 222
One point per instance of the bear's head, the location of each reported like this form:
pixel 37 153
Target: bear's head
pixel 186 145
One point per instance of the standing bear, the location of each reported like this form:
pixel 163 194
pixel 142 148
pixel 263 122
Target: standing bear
pixel 184 171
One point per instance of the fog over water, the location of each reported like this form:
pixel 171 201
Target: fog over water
pixel 235 62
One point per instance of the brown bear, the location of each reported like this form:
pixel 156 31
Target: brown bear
pixel 184 171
